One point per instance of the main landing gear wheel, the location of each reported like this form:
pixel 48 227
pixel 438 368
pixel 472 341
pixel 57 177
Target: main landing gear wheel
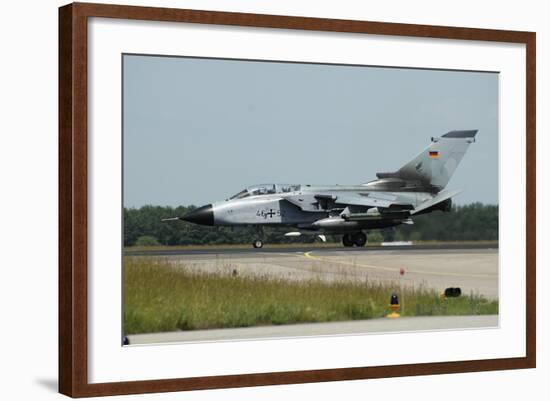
pixel 258 243
pixel 360 239
pixel 347 240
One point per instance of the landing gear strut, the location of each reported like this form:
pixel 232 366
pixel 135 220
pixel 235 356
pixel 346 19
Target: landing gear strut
pixel 358 239
pixel 259 243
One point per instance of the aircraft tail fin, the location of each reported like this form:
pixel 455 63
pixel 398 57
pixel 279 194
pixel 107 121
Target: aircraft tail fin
pixel 435 165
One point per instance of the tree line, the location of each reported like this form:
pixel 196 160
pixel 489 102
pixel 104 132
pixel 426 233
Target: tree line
pixel 143 226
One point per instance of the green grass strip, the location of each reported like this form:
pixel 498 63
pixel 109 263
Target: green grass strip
pixel 159 297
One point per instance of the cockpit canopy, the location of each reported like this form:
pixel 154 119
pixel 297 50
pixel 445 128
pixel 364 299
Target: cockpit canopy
pixel 266 189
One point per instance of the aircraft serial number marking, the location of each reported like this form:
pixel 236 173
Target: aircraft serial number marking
pixel 265 213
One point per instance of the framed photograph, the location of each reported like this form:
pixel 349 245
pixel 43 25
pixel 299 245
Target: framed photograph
pixel 251 200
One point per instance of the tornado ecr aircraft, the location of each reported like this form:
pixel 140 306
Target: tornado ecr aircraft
pixel 392 199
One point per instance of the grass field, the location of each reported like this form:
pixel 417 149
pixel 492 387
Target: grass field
pixel 159 297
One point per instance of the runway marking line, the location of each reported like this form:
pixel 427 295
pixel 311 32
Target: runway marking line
pixel 392 269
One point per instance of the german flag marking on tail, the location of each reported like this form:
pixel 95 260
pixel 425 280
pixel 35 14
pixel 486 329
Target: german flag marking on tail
pixel 434 154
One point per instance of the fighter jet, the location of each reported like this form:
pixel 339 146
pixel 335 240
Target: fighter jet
pixel 392 199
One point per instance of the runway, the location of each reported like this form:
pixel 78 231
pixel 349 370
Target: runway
pixel 303 248
pixel 424 323
pixel 472 268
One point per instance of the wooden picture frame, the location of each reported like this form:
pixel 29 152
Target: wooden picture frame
pixel 73 198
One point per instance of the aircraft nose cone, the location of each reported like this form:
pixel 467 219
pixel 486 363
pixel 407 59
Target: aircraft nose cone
pixel 203 215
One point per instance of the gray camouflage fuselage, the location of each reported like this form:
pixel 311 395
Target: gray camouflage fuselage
pixel 316 214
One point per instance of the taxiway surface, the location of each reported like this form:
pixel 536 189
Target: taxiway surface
pixel 473 269
pixel 372 326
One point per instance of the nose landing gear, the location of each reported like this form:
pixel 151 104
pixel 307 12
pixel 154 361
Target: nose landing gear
pixel 259 242
pixel 358 239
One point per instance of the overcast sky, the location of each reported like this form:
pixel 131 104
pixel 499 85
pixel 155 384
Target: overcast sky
pixel 199 130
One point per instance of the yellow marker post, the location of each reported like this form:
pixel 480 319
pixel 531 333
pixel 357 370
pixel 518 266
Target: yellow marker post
pixel 394 307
